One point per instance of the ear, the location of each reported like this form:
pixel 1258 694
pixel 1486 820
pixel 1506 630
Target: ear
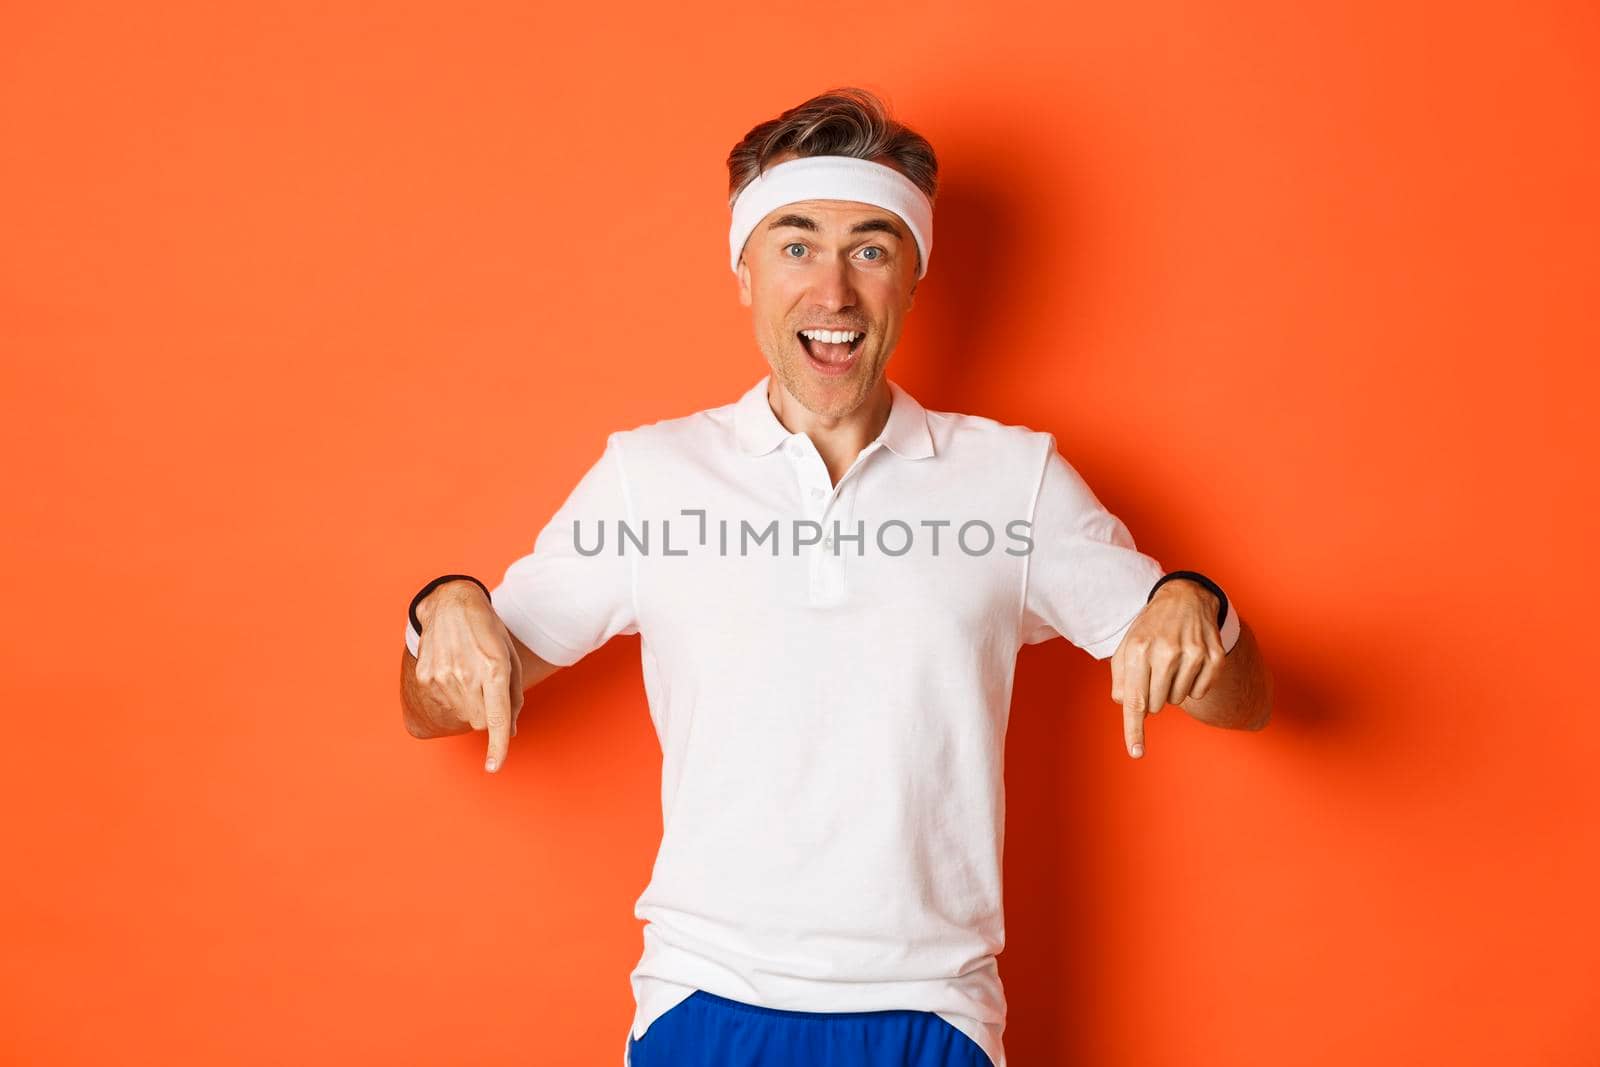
pixel 744 283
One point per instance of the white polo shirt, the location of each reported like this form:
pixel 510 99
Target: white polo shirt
pixel 831 698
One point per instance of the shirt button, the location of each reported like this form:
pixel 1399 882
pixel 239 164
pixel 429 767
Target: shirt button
pixel 816 494
pixel 827 542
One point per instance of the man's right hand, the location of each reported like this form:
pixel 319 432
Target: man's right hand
pixel 468 673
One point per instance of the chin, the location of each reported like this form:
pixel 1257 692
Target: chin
pixel 832 396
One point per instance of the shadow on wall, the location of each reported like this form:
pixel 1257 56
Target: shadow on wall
pixel 1070 786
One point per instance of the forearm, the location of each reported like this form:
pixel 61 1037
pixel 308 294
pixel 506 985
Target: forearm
pixel 1240 696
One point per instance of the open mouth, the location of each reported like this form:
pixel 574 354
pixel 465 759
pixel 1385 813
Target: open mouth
pixel 831 359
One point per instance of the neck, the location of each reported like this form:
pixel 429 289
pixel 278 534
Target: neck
pixel 839 439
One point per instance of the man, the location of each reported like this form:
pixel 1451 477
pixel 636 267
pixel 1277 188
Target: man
pixel 831 584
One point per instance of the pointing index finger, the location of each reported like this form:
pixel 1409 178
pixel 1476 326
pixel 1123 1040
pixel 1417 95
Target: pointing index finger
pixel 497 712
pixel 1135 699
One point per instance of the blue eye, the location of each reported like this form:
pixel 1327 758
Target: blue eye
pixel 870 248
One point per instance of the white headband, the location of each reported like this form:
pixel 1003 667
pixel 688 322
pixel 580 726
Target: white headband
pixel 832 178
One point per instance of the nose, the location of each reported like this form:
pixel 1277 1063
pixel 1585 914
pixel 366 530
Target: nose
pixel 832 286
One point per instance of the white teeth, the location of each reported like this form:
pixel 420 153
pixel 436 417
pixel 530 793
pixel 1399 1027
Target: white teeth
pixel 832 337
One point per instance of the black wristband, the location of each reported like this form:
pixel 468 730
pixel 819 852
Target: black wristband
pixel 1195 576
pixel 430 587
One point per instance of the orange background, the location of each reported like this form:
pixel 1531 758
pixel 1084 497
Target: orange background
pixel 304 304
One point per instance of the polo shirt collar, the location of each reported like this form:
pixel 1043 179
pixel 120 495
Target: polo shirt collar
pixel 758 430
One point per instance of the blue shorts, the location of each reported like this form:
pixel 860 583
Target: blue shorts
pixel 705 1030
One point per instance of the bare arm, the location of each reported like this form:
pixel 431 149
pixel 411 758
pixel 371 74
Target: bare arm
pixel 1240 694
pixel 1173 654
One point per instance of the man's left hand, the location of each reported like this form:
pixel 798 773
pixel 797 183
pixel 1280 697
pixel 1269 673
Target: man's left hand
pixel 1172 652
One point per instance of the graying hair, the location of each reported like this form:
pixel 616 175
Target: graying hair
pixel 845 121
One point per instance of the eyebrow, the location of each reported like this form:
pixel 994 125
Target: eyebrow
pixel 805 222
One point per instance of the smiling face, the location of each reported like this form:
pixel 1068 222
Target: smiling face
pixel 830 265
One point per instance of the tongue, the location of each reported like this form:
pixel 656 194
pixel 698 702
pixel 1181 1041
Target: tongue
pixel 828 353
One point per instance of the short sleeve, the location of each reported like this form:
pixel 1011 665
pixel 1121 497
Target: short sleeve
pixel 574 591
pixel 1085 579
